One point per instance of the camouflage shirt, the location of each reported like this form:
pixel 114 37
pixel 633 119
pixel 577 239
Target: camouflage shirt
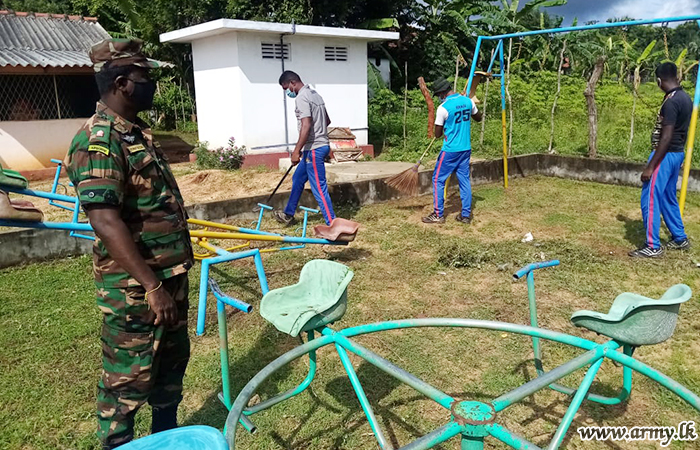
pixel 114 162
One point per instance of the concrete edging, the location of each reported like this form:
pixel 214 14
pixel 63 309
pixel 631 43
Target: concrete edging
pixel 30 245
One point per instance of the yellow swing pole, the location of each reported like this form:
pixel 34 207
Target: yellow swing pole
pixel 689 145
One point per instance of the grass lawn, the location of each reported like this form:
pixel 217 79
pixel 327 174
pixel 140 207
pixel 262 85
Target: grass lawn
pixel 50 355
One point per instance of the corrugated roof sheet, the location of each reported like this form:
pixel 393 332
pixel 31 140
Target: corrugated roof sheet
pixel 47 40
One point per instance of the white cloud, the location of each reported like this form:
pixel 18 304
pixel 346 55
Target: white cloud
pixel 652 9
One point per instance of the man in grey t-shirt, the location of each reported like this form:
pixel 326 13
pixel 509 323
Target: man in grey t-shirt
pixel 311 149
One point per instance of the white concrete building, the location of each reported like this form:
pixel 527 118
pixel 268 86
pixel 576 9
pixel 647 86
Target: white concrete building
pixel 237 65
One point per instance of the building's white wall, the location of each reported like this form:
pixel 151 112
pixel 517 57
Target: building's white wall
pixel 262 99
pixel 31 145
pixel 384 67
pixel 217 82
pixel 238 92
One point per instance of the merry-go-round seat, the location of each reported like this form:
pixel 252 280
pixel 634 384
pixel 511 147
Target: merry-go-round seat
pixel 319 298
pixel 637 320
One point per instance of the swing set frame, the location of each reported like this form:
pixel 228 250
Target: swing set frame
pixel 499 53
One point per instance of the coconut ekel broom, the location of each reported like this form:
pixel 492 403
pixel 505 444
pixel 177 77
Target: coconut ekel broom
pixel 407 181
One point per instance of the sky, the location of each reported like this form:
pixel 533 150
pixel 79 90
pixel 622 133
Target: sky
pixel 602 10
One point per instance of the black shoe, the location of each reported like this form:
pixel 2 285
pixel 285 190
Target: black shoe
pixel 647 252
pixel 461 218
pixel 433 218
pixel 283 218
pixel 164 419
pixel 678 245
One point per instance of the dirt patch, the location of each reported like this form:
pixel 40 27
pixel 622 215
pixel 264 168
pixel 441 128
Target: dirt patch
pixel 212 185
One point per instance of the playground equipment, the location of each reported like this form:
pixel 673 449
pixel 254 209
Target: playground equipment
pixel 293 313
pixel 320 299
pixel 340 232
pixel 500 73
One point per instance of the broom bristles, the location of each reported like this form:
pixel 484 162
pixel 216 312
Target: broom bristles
pixel 406 181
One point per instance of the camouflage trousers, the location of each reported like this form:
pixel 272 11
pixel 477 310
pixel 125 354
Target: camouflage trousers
pixel 141 362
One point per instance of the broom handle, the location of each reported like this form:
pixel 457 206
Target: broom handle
pixel 279 184
pixel 426 150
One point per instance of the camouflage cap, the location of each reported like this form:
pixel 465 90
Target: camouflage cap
pixel 121 52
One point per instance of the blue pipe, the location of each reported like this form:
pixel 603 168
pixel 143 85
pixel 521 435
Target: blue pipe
pixel 261 273
pixel 596 26
pixel 262 211
pixel 76 216
pixel 40 194
pixel 54 186
pixel 495 54
pixel 534 266
pixel 475 60
pixel 68 226
pixel 503 77
pixel 233 302
pixel 204 280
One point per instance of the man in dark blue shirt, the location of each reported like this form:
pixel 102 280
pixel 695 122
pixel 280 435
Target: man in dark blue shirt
pixel 660 177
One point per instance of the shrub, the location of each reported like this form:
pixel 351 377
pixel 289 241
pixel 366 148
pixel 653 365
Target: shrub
pixel 225 158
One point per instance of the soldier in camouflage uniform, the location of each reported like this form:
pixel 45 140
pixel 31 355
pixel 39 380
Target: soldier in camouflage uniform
pixel 142 252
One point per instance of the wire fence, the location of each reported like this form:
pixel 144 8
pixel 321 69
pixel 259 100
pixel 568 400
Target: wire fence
pixel 47 97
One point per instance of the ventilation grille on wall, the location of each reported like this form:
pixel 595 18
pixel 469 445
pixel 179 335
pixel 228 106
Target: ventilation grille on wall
pixel 336 53
pixel 275 51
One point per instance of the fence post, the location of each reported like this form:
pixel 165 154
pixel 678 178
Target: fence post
pixel 55 91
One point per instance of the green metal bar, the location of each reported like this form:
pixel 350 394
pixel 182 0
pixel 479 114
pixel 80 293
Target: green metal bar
pixel 437 437
pixel 528 272
pixel 575 405
pixel 223 351
pixel 533 320
pixel 554 336
pixel 269 403
pixel 509 438
pixel 626 376
pixel 249 389
pixel 452 429
pixel 664 380
pixel 362 397
pixel 472 443
pixel 544 380
pixel 416 383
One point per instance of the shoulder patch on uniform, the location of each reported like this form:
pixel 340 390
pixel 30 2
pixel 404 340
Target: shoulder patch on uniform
pixel 136 148
pixel 156 144
pixel 100 132
pixel 99 148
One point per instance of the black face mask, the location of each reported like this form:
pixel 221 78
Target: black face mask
pixel 143 93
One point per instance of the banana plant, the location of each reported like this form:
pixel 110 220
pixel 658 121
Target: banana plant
pixel 684 66
pixel 512 16
pixel 645 57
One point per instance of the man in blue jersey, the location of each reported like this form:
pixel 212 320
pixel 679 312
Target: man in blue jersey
pixel 453 120
pixel 660 176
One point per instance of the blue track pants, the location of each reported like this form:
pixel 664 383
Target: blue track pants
pixel 659 199
pixel 312 168
pixel 447 164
